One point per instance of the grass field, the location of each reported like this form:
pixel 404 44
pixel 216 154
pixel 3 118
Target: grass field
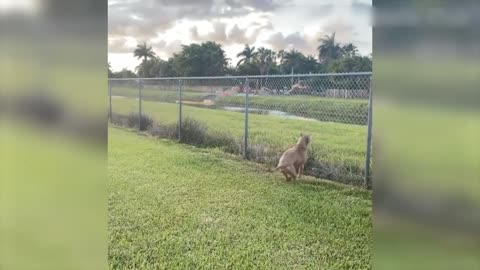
pixel 156 94
pixel 175 206
pixel 334 144
pixel 322 109
pixel 347 111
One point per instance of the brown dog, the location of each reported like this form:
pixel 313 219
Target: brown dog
pixel 293 160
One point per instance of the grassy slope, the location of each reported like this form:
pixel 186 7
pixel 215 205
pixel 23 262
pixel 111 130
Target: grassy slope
pixel 333 142
pixel 323 109
pixel 174 206
pixel 156 94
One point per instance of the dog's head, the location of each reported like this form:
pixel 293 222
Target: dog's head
pixel 305 139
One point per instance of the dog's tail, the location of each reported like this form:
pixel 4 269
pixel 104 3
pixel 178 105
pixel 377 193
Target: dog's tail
pixel 274 170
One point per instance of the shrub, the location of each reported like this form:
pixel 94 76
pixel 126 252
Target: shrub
pixel 340 172
pixel 145 121
pixel 168 131
pixel 193 132
pixel 119 119
pixel 196 133
pixel 225 141
pixel 264 154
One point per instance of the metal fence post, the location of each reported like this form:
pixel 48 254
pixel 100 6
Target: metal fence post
pixel 245 142
pixel 140 86
pixel 291 79
pixel 109 101
pixel 369 137
pixel 180 90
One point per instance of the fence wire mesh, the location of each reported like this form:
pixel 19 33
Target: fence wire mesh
pixel 212 112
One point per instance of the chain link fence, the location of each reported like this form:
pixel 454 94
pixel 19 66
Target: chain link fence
pixel 258 117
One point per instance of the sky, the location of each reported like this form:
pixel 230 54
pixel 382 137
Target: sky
pixel 166 25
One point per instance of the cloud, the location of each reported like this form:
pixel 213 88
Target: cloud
pixel 132 19
pixel 162 48
pixel 277 41
pixel 299 41
pixel 239 36
pixel 267 26
pixel 218 34
pixel 145 18
pixel 319 10
pixel 344 30
pixel 362 6
pixel 235 35
pixel 261 5
pixel 158 44
pixel 277 24
pixel 166 49
pixel 307 43
pixel 119 45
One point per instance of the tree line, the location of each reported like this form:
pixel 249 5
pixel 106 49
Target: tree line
pixel 209 59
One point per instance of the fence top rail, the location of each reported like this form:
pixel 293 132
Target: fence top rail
pixel 248 76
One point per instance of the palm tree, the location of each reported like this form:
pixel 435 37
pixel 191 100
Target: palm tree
pixel 293 62
pixel 329 49
pixel 150 68
pixel 281 56
pixel 247 55
pixel 264 59
pixel 350 50
pixel 310 64
pixel 293 59
pixel 145 52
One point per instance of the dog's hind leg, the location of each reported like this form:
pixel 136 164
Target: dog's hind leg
pixel 291 171
pixel 300 171
pixel 287 176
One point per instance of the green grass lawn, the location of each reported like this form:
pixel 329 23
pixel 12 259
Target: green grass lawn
pixel 333 143
pixel 156 94
pixel 324 109
pixel 174 206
